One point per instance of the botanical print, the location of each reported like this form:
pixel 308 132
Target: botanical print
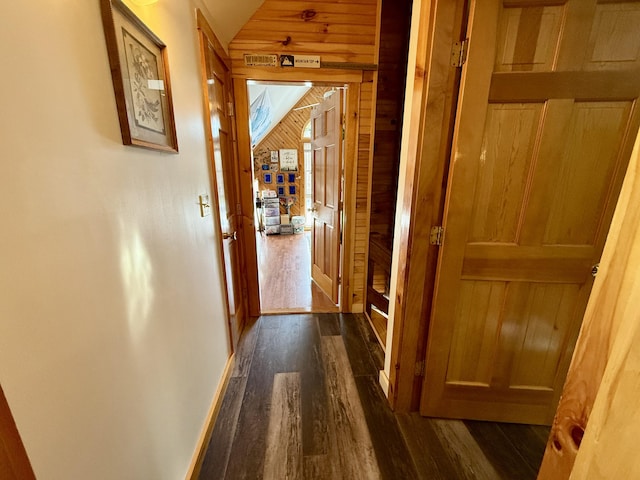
pixel 146 86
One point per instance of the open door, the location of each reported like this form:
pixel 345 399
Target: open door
pixel 224 176
pixel 326 146
pixel 544 130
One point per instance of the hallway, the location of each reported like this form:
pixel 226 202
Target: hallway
pixel 284 267
pixel 304 402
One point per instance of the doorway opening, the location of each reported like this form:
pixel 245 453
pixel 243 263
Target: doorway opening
pixel 288 179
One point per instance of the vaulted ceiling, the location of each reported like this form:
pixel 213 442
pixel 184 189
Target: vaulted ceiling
pixel 229 16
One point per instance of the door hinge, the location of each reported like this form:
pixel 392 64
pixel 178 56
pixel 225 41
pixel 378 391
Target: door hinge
pixel 459 53
pixel 238 209
pixel 437 235
pixel 230 109
pixel 339 280
pixel 419 372
pixel 595 269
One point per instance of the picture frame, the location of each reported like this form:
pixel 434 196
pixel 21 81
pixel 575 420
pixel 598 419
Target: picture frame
pixel 141 81
pixel 274 156
pixel 292 177
pixel 288 160
pixel 280 178
pixel 266 167
pixel 281 191
pixel 292 189
pixel 268 177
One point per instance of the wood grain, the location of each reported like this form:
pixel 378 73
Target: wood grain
pixel 357 456
pixel 284 266
pixel 610 306
pixel 283 457
pixel 14 462
pixel 338 31
pixel 428 123
pixel 467 458
pixel 337 416
pixel 529 201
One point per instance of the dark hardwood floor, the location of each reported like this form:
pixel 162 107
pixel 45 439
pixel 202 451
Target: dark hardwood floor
pixel 304 403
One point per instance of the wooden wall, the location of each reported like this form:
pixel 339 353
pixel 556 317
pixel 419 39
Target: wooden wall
pixel 394 40
pixel 339 31
pixel 345 35
pixel 287 134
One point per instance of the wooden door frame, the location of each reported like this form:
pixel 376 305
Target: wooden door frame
pixel 11 444
pixel 353 80
pixel 206 32
pixel 430 104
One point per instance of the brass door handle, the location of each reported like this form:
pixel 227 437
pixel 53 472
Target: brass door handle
pixel 227 236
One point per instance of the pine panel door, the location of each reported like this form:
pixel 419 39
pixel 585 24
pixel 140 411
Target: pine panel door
pixel 545 127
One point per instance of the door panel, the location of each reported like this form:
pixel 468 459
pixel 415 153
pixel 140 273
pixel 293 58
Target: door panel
pixel 540 149
pixel 224 183
pixel 326 145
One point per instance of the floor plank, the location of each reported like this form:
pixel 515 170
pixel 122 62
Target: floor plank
pixel 424 446
pixel 284 274
pixel 500 451
pixel 357 456
pixel 248 450
pixel 463 451
pixel 393 456
pixel 315 408
pixel 283 458
pixel 356 348
pixel 216 458
pixel 304 402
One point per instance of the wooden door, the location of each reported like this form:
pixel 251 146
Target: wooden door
pixel 224 180
pixel 544 131
pixel 14 463
pixel 326 146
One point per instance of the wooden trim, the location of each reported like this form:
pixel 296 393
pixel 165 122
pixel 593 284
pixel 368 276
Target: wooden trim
pixel 207 36
pixel 426 144
pixel 203 25
pixel 372 141
pixel 352 125
pixel 247 201
pixel 203 442
pixel 12 449
pixel 298 75
pixel 542 86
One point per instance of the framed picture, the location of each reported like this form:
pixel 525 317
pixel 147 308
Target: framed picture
pixel 268 177
pixel 292 189
pixel 274 156
pixel 289 160
pixel 265 167
pixel 281 191
pixel 140 74
pixel 280 178
pixel 292 178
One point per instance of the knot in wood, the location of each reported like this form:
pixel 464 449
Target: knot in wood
pixel 308 15
pixel 287 41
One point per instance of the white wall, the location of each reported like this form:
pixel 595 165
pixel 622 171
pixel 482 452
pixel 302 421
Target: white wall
pixel 112 326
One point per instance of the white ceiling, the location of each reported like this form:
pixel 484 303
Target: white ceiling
pixel 229 16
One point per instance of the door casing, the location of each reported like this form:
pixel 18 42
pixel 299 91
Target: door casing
pixel 348 168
